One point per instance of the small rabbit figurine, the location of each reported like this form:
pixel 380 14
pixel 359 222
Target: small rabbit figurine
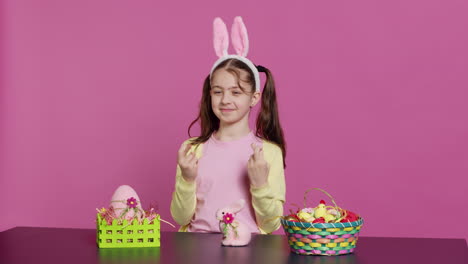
pixel 234 232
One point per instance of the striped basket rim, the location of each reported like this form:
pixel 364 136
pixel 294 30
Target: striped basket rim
pixel 323 225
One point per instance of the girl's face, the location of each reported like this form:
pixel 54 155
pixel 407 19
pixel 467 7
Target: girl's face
pixel 228 101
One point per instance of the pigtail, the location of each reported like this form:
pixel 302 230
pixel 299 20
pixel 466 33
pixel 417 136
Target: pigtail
pixel 268 124
pixel 208 120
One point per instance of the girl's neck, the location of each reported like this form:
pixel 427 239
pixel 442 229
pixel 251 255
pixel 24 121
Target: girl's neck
pixel 231 132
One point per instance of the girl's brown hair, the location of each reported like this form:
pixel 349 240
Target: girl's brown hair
pixel 268 124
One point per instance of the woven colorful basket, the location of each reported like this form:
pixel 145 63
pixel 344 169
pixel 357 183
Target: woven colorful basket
pixel 128 235
pixel 322 238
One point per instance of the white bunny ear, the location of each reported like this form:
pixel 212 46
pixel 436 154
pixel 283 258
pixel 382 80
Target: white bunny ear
pixel 240 39
pixel 237 206
pixel 220 37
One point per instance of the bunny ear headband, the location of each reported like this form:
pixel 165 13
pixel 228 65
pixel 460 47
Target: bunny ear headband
pixel 240 42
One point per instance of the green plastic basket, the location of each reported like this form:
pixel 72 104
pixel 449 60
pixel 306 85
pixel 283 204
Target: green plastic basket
pixel 127 235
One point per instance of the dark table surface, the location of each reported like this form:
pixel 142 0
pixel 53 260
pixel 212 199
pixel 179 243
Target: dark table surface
pixel 64 245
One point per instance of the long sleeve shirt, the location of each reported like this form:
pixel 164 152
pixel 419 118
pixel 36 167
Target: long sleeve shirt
pixel 222 179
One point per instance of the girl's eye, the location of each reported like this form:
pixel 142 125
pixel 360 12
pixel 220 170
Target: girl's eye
pixel 216 92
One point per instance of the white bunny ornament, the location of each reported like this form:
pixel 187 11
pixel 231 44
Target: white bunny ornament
pixel 235 233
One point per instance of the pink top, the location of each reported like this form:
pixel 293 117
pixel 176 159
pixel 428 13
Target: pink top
pixel 222 179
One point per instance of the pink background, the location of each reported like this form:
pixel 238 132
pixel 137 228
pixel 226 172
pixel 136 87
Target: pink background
pixel 372 95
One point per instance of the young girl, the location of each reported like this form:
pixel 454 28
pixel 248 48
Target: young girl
pixel 228 161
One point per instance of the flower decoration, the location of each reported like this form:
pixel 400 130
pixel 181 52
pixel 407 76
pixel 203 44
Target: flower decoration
pixel 132 202
pixel 228 218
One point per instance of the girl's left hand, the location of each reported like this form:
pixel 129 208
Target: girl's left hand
pixel 257 167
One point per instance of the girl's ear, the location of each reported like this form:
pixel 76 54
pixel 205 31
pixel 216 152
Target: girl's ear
pixel 220 37
pixel 240 39
pixel 255 99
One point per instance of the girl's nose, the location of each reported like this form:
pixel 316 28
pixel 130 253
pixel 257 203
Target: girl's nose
pixel 226 98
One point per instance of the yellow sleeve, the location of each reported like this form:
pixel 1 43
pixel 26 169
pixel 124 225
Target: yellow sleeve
pixel 268 200
pixel 184 199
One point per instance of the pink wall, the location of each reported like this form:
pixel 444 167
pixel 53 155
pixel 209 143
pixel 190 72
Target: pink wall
pixel 372 97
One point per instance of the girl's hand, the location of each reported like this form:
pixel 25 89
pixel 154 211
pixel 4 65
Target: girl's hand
pixel 188 163
pixel 257 167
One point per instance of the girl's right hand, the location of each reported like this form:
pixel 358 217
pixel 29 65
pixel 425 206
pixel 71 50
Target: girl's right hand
pixel 188 163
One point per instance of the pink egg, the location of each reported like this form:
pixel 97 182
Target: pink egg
pixel 126 197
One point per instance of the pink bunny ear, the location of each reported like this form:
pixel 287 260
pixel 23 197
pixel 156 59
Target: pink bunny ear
pixel 239 37
pixel 220 37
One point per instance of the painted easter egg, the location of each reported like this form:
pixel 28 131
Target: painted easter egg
pixel 126 203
